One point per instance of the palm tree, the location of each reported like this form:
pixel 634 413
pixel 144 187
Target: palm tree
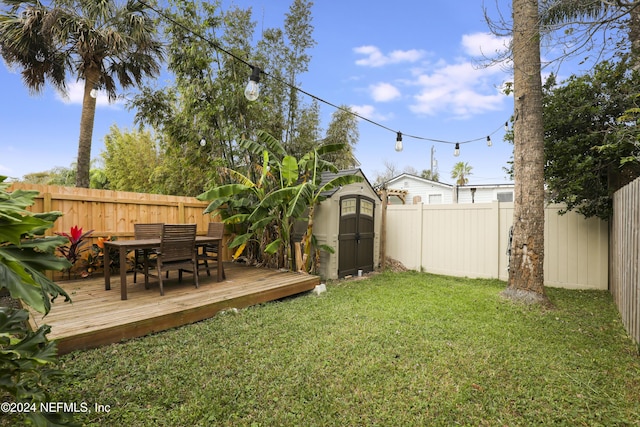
pixel 526 275
pixel 460 172
pixel 102 43
pixel 595 16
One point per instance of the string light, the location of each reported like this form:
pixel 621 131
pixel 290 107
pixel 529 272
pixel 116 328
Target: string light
pixel 399 142
pixel 94 92
pixel 252 91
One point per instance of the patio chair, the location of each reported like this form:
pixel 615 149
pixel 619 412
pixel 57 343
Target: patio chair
pixel 211 251
pixel 177 251
pixel 142 256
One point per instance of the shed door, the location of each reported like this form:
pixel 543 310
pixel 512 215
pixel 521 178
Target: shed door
pixel 355 235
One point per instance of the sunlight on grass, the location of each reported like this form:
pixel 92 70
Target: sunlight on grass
pixel 395 349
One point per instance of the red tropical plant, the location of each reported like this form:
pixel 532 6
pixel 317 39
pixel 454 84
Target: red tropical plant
pixel 77 239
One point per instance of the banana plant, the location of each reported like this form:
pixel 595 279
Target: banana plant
pixel 287 191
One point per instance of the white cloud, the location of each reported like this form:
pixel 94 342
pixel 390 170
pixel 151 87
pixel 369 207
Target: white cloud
pixel 375 58
pixel 484 45
pixel 75 92
pixel 458 88
pixel 369 112
pixel 384 92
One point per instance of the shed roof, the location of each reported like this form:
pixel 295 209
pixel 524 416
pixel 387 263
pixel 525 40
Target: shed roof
pixel 328 176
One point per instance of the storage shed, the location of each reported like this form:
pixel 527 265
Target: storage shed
pixel 348 220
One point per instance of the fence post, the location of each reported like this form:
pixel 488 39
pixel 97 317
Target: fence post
pixel 383 230
pixel 181 214
pixel 495 209
pixel 420 233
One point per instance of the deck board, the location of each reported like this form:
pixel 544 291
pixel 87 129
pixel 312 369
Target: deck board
pixel 97 317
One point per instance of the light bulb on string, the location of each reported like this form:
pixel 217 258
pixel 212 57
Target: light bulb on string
pixel 94 92
pixel 506 126
pixel 203 142
pixel 456 151
pixel 399 142
pixel 489 143
pixel 252 91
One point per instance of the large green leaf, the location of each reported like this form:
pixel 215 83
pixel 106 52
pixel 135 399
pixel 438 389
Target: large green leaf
pixel 272 247
pixel 272 144
pixel 261 223
pixel 236 219
pixel 238 240
pixel 301 200
pixel 46 244
pixel 36 260
pixel 14 231
pixel 330 148
pixel 253 147
pixel 289 170
pixel 223 191
pixel 21 286
pixel 340 181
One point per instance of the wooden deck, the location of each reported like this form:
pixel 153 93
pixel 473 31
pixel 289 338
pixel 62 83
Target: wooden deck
pixel 97 317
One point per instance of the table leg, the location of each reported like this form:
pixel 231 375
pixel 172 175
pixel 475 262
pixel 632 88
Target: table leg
pixel 123 273
pixel 107 269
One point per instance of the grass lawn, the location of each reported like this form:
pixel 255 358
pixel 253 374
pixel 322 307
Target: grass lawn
pixel 396 349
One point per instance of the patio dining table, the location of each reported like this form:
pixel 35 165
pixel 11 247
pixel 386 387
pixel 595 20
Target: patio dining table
pixel 125 246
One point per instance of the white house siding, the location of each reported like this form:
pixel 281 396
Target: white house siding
pixel 422 188
pixel 483 193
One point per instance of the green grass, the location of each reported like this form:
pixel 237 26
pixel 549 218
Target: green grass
pixel 395 349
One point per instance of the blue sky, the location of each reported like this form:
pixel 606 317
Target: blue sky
pixel 409 65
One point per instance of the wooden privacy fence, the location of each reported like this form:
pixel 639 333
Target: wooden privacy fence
pixel 471 240
pixel 113 213
pixel 625 256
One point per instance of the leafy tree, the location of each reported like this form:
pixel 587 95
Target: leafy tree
pixel 426 174
pixel 27 357
pixel 199 115
pixel 101 42
pixel 66 176
pixel 526 275
pixel 343 129
pixel 593 26
pixel 57 176
pixel 131 159
pixel 203 115
pixel 460 172
pixel 590 142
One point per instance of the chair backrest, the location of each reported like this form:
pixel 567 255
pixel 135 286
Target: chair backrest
pixel 216 230
pixel 178 242
pixel 147 231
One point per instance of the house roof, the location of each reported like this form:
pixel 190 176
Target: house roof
pixel 442 184
pixel 418 178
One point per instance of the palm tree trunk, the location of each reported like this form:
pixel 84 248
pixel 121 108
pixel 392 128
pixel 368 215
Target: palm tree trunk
pixel 527 256
pixel 86 132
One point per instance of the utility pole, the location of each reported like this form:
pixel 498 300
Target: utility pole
pixel 433 161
